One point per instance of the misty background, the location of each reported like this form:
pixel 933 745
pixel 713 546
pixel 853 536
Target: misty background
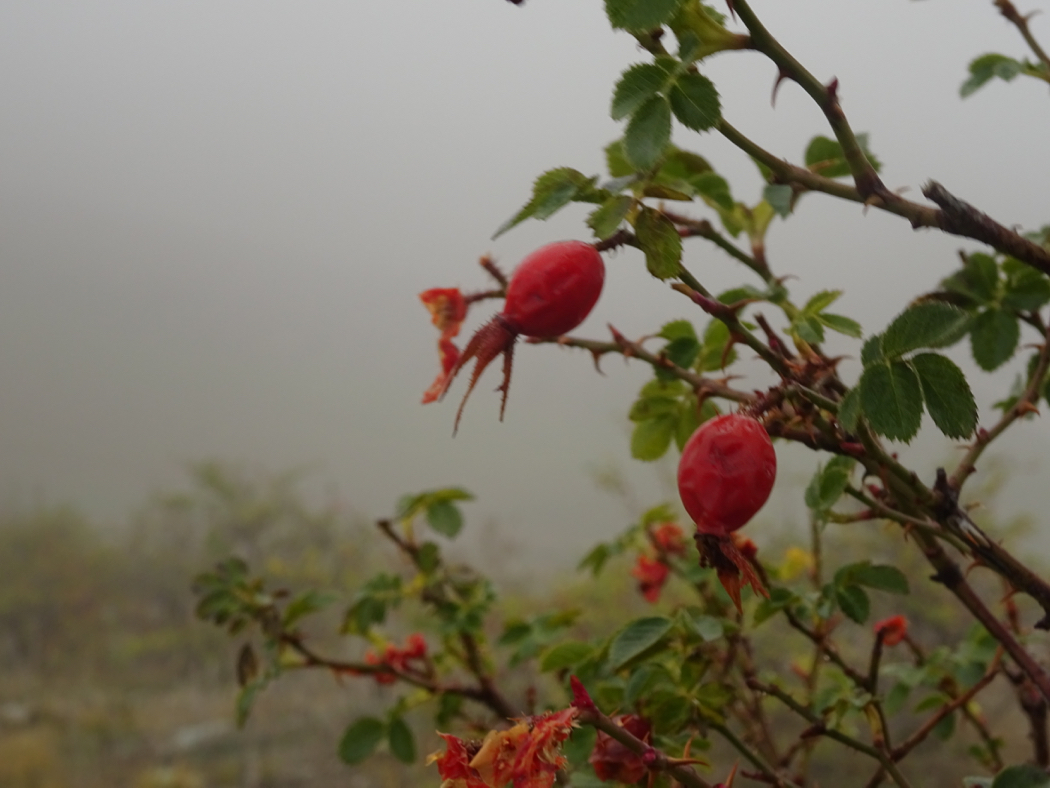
pixel 215 219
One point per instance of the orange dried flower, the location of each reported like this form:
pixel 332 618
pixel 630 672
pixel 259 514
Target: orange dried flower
pixel 892 629
pixel 526 756
pixel 668 537
pixel 651 574
pixel 448 309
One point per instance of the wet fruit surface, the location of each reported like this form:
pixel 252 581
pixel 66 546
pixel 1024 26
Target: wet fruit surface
pixel 726 473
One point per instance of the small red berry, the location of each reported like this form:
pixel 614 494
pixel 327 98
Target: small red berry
pixel 726 473
pixel 552 291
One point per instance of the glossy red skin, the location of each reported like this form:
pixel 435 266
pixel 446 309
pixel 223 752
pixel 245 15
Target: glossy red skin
pixel 554 289
pixel 726 473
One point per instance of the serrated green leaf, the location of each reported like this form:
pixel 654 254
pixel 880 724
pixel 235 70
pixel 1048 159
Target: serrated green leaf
pixel 551 191
pixel 994 338
pixel 682 352
pixel 694 101
pixel 714 189
pixel 608 217
pixel 646 408
pixel 827 485
pixel 402 741
pixel 616 160
pixel 825 156
pixel 640 16
pixel 678 329
pixel 854 602
pixel 445 518
pixel 891 399
pixel 663 388
pixel 987 67
pixel 871 352
pixel 931 324
pixel 841 324
pixel 651 439
pixel 713 354
pixel 849 409
pixel 638 84
pixel 661 243
pixel 1026 289
pixel 565 655
pixel 808 329
pixel 637 637
pixel 881 577
pixel 818 302
pixel 361 739
pixel 1022 776
pixel 648 133
pixel 947 394
pixel 779 195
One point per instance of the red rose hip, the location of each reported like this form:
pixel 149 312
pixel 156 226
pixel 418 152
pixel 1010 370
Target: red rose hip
pixel 552 291
pixel 726 473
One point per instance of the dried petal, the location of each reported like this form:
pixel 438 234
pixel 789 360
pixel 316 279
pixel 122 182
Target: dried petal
pixel 892 629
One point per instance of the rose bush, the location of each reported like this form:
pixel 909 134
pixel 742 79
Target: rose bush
pixel 642 701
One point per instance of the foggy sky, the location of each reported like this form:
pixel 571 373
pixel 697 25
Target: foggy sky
pixel 215 218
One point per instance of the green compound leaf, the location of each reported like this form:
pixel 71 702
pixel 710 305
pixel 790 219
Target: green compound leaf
pixel 661 243
pixel 694 100
pixel 402 741
pixel 651 439
pixel 648 133
pixel 947 394
pixel 994 338
pixel 551 191
pixel 931 324
pixel 606 220
pixel 361 739
pixel 987 67
pixel 854 602
pixel 891 398
pixel 640 16
pixel 638 84
pixel 636 638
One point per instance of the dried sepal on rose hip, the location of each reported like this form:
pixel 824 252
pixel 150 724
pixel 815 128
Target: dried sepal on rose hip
pixel 725 475
pixel 552 291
